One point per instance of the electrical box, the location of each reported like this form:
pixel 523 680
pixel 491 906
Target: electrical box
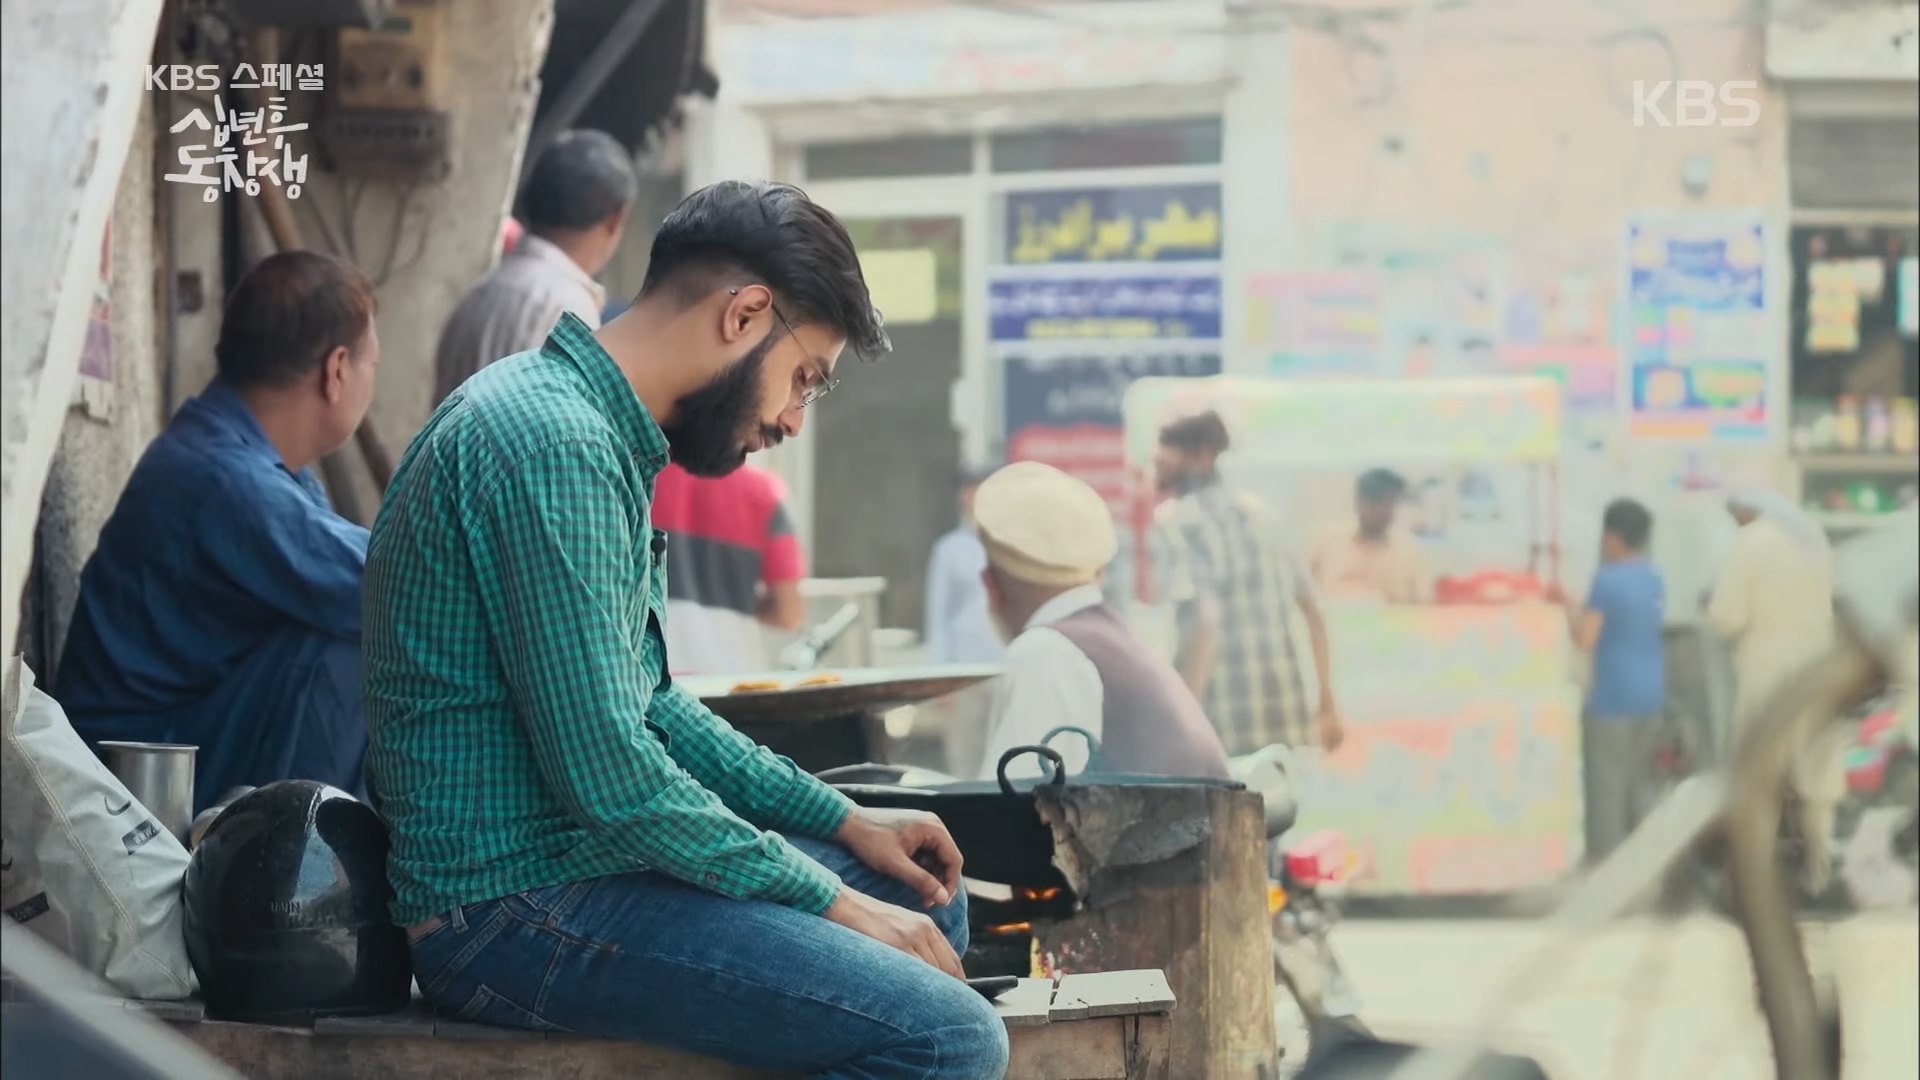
pixel 385 117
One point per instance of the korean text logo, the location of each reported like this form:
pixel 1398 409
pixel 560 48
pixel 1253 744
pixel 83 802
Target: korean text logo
pixel 1695 103
pixel 245 146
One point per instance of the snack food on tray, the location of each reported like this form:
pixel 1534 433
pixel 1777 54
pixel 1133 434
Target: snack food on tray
pixel 761 686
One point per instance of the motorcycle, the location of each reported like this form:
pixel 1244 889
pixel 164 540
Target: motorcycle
pixel 1308 874
pixel 1873 824
pixel 1879 851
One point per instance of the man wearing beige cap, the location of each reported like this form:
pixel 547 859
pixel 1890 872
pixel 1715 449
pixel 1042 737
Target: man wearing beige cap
pixel 1072 661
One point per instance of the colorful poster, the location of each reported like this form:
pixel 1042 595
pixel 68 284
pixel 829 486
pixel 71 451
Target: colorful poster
pixel 1560 293
pixel 96 353
pixel 1161 223
pixel 1587 374
pixel 1068 410
pixel 1025 306
pixel 1317 324
pixel 1836 289
pixel 1697 332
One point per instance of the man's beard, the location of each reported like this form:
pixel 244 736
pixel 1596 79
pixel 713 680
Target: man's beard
pixel 710 425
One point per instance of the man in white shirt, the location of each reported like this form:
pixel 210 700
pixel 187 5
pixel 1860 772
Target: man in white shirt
pixel 959 629
pixel 1773 605
pixel 575 207
pixel 1072 660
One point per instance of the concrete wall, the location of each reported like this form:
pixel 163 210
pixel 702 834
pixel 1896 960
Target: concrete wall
pixel 1516 119
pixel 450 235
pixel 72 85
pixel 99 446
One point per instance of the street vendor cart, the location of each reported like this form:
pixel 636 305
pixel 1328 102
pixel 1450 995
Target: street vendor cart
pixel 1460 772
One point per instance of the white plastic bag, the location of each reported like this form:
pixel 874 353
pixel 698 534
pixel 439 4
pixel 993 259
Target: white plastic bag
pixel 101 885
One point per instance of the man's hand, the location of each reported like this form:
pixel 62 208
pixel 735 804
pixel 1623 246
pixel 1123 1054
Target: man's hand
pixel 908 845
pixel 909 931
pixel 1328 727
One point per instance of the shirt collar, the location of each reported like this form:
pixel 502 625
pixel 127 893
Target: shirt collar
pixel 572 342
pixel 1071 602
pixel 223 405
pixel 548 253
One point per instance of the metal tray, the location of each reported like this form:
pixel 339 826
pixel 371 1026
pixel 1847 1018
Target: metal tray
pixel 860 690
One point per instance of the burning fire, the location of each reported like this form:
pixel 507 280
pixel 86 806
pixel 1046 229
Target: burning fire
pixel 1008 929
pixel 1038 895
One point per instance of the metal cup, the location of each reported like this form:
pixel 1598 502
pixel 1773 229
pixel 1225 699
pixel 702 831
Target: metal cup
pixel 160 777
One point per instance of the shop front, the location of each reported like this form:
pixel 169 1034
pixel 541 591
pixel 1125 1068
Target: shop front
pixel 1040 208
pixel 1854 362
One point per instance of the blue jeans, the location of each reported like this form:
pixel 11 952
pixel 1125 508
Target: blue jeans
pixel 645 958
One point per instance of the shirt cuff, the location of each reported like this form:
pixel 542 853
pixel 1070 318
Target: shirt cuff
pixel 815 809
pixel 806 885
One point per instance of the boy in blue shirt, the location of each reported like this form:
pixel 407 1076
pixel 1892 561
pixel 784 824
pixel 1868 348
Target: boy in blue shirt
pixel 1621 628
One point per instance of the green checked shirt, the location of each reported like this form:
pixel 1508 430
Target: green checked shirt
pixel 523 730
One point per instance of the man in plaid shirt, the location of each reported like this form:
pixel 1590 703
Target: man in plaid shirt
pixel 1224 567
pixel 579 844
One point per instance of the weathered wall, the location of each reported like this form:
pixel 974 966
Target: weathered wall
pixel 96 453
pixel 1484 159
pixel 1515 119
pixel 449 236
pixel 72 82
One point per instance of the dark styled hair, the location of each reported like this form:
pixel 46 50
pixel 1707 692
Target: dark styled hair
pixel 1201 433
pixel 287 314
pixel 738 233
pixel 581 179
pixel 1379 486
pixel 1628 521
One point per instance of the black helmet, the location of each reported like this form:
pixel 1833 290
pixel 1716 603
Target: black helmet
pixel 286 909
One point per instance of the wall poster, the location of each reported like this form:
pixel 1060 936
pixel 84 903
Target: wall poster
pixel 1697 331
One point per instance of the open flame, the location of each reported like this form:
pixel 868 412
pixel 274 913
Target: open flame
pixel 1008 929
pixel 1038 895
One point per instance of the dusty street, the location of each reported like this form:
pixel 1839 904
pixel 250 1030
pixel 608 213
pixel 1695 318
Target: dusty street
pixel 1648 1001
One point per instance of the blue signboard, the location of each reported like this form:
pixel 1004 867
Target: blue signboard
pixel 1127 308
pixel 1160 223
pixel 1087 391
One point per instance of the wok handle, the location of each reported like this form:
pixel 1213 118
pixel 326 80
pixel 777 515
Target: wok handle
pixel 1057 780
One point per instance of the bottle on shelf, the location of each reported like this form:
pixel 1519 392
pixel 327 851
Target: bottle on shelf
pixel 1879 426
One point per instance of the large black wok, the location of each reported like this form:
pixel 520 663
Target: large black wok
pixel 996 823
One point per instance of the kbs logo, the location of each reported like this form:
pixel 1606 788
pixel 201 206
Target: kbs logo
pixel 1695 103
pixel 183 77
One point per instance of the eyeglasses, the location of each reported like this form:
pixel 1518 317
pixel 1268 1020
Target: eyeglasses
pixel 814 381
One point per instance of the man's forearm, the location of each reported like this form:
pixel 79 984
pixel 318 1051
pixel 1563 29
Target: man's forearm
pixel 766 789
pixel 1200 648
pixel 1322 645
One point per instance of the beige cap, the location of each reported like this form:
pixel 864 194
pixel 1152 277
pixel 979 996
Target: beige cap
pixel 1044 527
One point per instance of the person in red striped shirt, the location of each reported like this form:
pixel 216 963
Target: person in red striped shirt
pixel 734 567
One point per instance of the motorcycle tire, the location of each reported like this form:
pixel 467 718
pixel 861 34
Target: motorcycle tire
pixel 1305 1029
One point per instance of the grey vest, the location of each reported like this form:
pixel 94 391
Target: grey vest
pixel 1151 725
